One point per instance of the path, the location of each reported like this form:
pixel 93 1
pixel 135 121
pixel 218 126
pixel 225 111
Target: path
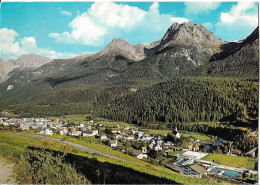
pixel 6 172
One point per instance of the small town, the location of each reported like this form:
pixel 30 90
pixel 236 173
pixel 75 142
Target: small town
pixel 152 148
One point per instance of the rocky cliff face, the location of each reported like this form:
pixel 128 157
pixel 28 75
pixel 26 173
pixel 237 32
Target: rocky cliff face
pixel 190 34
pixel 24 62
pixel 123 48
pixel 188 41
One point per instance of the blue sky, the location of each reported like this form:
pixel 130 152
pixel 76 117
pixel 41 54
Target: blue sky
pixel 63 29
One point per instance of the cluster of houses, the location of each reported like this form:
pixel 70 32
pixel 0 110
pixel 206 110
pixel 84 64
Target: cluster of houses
pixel 48 127
pixel 188 163
pixel 155 142
pixel 133 134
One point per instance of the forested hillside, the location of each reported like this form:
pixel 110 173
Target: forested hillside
pixel 188 100
pixel 179 100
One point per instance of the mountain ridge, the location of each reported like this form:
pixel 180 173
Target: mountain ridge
pixel 120 63
pixel 25 61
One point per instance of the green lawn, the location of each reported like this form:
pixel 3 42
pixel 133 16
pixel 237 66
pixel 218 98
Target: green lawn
pixel 73 117
pixel 9 144
pixel 107 123
pixel 196 136
pixel 156 132
pixel 175 152
pixel 236 161
pixel 165 132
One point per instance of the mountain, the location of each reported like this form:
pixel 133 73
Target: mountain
pixel 120 47
pixel 236 59
pixel 24 62
pixel 186 49
pixel 183 48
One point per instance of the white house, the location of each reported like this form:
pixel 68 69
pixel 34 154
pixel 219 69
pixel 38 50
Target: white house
pixel 115 131
pixel 48 132
pixel 112 143
pixel 90 133
pixel 157 147
pixel 94 132
pixel 63 131
pixel 24 126
pixel 139 154
pixel 151 146
pixel 131 137
pixel 103 137
pixel 75 133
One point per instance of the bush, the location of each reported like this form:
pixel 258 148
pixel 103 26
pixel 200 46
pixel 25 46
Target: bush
pixel 37 167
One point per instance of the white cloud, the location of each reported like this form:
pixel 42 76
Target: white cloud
pixel 105 20
pixel 66 13
pixel 240 21
pixel 12 46
pixel 90 27
pixel 200 7
pixel 239 13
pixel 179 20
pixel 8 41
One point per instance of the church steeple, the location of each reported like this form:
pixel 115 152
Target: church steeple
pixel 176 133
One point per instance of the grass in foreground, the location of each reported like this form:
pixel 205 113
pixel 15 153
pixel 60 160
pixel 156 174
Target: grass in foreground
pixel 235 161
pixel 9 144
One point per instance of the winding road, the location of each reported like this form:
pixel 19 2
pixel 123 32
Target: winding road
pixel 83 148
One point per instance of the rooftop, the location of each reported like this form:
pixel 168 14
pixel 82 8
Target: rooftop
pixel 198 169
pixel 197 155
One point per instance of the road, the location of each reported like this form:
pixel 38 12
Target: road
pixel 83 148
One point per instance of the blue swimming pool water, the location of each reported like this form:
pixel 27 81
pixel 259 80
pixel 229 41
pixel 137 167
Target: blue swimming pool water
pixel 232 174
pixel 228 173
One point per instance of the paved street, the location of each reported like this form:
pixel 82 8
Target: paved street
pixel 83 148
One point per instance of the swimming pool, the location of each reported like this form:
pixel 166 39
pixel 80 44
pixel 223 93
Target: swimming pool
pixel 232 174
pixel 227 173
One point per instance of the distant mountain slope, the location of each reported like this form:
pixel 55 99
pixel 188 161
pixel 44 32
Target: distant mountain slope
pixel 237 59
pixel 24 62
pixel 186 49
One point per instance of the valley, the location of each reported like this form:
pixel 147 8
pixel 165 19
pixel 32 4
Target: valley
pixel 136 113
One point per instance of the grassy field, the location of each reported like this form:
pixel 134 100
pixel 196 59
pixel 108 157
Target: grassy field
pixel 196 136
pixel 236 161
pixel 173 153
pixel 10 144
pixel 72 118
pixel 156 132
pixel 165 132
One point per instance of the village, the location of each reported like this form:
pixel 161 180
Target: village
pixel 151 148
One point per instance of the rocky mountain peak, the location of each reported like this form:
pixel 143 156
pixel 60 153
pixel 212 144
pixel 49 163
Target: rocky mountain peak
pixel 33 58
pixel 190 34
pixel 25 61
pixel 122 47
